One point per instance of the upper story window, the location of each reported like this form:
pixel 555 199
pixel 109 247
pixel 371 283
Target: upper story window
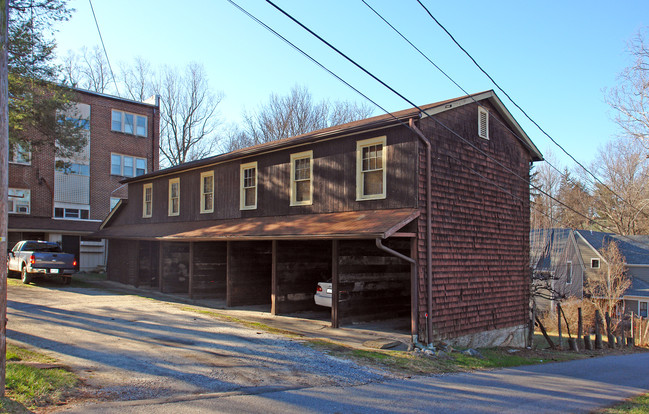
pixel 72 168
pixel 63 211
pixel 127 166
pixel 128 123
pixel 642 309
pixel 19 201
pixel 248 186
pixel 371 160
pixel 594 263
pixel 301 178
pixel 174 196
pixel 483 123
pixel 147 200
pixel 207 192
pixel 568 273
pixel 19 155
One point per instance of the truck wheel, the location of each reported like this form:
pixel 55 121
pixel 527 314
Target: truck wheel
pixel 25 277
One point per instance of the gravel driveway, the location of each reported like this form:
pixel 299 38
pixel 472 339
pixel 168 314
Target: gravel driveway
pixel 127 347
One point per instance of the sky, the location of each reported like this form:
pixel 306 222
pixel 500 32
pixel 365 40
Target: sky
pixel 554 58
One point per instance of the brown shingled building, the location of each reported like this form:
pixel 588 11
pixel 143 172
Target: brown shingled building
pixel 416 214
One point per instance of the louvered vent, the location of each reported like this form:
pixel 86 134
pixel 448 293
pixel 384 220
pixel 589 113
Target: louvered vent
pixel 483 123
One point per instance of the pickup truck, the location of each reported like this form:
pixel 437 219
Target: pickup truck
pixel 32 259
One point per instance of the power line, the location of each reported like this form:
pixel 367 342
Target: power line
pixel 104 47
pixel 525 113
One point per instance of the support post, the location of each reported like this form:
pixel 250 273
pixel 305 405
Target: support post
pixel 274 287
pixel 580 325
pixel 335 321
pixel 559 325
pixel 598 333
pixel 191 270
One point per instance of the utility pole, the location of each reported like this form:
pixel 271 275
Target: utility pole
pixel 4 184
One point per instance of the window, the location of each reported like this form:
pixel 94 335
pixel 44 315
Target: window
pixel 207 192
pixel 594 263
pixel 19 201
pixel 126 166
pixel 19 155
pixel 371 159
pixel 71 213
pixel 71 168
pixel 301 181
pixel 113 202
pixel 642 309
pixel 248 186
pixel 568 273
pixel 483 123
pixel 174 196
pixel 128 123
pixel 147 200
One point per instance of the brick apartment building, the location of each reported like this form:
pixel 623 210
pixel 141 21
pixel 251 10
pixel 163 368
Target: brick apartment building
pixel 66 201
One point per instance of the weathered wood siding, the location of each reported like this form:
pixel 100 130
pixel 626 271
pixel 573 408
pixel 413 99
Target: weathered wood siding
pixel 480 233
pixel 334 183
pixel 373 285
pixel 123 261
pixel 249 273
pixel 300 265
pixel 209 270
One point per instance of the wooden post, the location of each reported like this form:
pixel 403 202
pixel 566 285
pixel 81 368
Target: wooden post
pixel 580 325
pixel 530 333
pixel 191 270
pixel 335 321
pixel 274 287
pixel 414 287
pixel 598 334
pixel 629 340
pixel 4 185
pixel 609 336
pixel 559 325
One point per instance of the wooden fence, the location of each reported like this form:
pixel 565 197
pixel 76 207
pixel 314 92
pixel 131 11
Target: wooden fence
pixel 640 330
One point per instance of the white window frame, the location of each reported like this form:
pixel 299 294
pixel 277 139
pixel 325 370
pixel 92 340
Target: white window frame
pixel 483 118
pixel 20 194
pixel 639 307
pixel 243 188
pixel 206 191
pixel 19 156
pixel 294 158
pixel 122 128
pixel 145 204
pixel 569 272
pixel 360 196
pixel 121 164
pixel 593 261
pixel 171 211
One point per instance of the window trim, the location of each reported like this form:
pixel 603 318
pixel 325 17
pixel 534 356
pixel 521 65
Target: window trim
pixel 569 272
pixel 173 181
pixel 242 193
pixel 148 186
pixel 123 123
pixel 29 203
pixel 203 193
pixel 293 191
pixel 121 164
pixel 15 152
pixel 640 308
pixel 359 166
pixel 592 263
pixel 483 112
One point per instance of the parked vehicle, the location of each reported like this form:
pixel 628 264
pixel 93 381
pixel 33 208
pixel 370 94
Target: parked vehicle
pixel 322 295
pixel 33 259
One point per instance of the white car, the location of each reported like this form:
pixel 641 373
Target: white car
pixel 322 295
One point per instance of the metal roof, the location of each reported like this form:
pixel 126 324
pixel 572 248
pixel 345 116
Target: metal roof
pixel 366 224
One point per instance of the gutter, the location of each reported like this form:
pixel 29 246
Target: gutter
pixel 429 229
pixel 413 293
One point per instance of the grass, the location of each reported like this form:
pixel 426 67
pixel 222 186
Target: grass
pixel 31 384
pixel 636 405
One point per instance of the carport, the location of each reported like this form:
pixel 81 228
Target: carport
pixel 367 255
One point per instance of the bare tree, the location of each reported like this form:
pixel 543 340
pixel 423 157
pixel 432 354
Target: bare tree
pixel 88 70
pixel 623 206
pixel 293 114
pixel 630 99
pixel 137 79
pixel 544 209
pixel 607 285
pixel 188 118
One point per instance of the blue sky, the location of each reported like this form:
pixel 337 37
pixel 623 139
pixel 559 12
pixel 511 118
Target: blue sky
pixel 555 58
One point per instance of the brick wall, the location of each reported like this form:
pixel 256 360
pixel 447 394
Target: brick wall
pixel 480 234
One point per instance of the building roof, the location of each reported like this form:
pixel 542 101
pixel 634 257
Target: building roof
pixel 28 223
pixel 366 224
pixel 547 247
pixel 635 249
pixel 380 121
pixel 638 288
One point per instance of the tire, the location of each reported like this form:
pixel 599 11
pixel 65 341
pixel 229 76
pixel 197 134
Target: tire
pixel 25 277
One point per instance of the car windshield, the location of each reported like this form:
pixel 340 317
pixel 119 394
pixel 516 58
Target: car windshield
pixel 42 247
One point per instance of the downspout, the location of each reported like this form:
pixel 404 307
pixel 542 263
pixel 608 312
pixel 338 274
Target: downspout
pixel 413 287
pixel 429 229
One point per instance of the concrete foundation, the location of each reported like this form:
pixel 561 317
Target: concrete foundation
pixel 513 336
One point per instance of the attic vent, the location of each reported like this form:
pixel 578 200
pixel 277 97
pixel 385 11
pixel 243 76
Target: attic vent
pixel 483 123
